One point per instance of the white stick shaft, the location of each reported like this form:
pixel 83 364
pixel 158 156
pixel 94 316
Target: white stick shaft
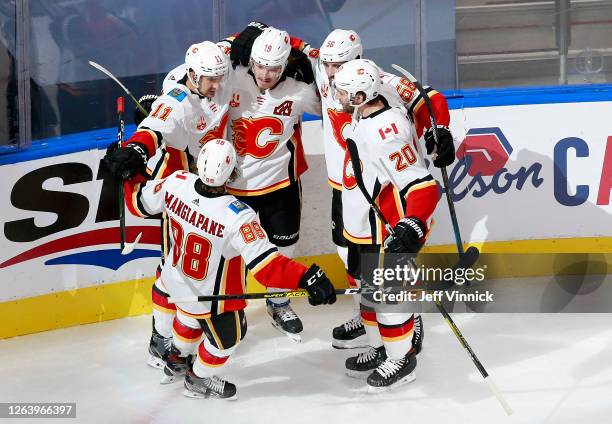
pixel 498 395
pixel 404 71
pixel 111 76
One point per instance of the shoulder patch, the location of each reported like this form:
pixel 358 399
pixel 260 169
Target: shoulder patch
pixel 178 94
pixel 314 53
pixel 237 206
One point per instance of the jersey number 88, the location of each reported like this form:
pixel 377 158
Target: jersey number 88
pixel 195 253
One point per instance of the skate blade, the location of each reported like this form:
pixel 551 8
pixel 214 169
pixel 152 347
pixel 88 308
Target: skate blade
pixel 402 382
pixel 291 336
pixel 360 375
pixel 358 343
pixel 169 379
pixel 196 395
pixel 156 362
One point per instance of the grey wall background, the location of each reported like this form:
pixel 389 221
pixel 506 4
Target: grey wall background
pixel 47 89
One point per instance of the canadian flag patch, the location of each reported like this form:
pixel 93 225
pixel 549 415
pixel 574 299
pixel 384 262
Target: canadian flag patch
pixel 384 132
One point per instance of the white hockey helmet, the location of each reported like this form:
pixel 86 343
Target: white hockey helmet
pixel 271 48
pixel 359 75
pixel 341 45
pixel 216 162
pixel 206 59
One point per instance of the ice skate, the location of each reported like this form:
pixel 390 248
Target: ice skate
pixel 393 373
pixel 350 335
pixel 419 335
pixel 361 366
pixel 285 320
pixel 175 367
pixel 215 387
pixel 159 347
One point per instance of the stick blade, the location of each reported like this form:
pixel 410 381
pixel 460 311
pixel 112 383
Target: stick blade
pixel 404 72
pixel 129 247
pixel 469 257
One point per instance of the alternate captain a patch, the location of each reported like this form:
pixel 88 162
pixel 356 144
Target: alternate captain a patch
pixel 237 206
pixel 178 94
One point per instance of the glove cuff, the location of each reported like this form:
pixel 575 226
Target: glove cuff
pixel 440 127
pixel 138 148
pixel 310 277
pixel 417 225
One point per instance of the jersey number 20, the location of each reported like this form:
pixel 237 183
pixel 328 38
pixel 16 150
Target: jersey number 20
pixel 403 158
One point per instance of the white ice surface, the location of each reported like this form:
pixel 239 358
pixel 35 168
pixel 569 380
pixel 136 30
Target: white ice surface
pixel 552 368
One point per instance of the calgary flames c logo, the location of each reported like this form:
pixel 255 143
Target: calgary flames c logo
pixel 348 175
pixel 253 136
pixel 339 120
pixel 216 132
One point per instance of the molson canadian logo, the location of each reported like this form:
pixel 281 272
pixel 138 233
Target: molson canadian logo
pixel 484 166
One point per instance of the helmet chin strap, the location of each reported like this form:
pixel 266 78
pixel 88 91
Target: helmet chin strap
pixel 196 87
pixel 355 117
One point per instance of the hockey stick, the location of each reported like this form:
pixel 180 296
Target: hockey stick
pixel 111 76
pixel 434 127
pixel 126 248
pixel 120 136
pixel 470 252
pixel 245 296
pixel 467 261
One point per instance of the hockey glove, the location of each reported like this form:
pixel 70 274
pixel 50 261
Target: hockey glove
pixel 124 163
pixel 445 150
pixel 299 67
pixel 242 44
pixel 146 102
pixel 319 288
pixel 408 238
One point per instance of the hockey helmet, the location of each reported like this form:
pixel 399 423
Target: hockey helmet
pixel 359 75
pixel 216 162
pixel 205 59
pixel 271 48
pixel 341 45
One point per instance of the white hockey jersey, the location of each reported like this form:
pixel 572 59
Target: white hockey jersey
pixel 266 131
pixel 336 128
pixel 389 154
pixel 210 236
pixel 336 124
pixel 180 122
pixel 210 106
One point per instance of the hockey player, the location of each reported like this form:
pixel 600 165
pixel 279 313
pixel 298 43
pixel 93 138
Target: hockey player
pixel 170 157
pixel 181 120
pixel 212 233
pixel 386 143
pixel 339 47
pixel 190 113
pixel 240 47
pixel 265 112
